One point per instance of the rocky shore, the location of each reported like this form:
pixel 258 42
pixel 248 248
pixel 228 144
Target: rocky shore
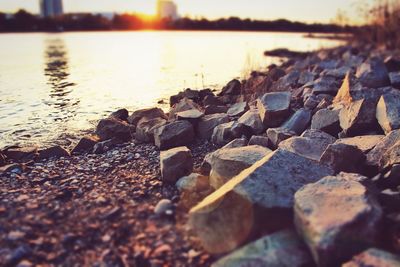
pixel 298 165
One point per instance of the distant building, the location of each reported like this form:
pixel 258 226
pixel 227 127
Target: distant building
pixel 167 9
pixel 51 8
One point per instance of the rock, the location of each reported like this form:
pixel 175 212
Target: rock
pixel 311 148
pixel 12 168
pixel 53 152
pixel 342 157
pixel 306 77
pixel 146 128
pixel 282 248
pixel 391 156
pixel 298 122
pixel 238 109
pixel 113 128
pixel 193 95
pixel 121 114
pixel 374 157
pixel 175 163
pixel 249 202
pixel 373 74
pixel 222 134
pixel 388 112
pixel 21 153
pixel 259 140
pixel 102 147
pixel 325 85
pixel 337 217
pixel 252 119
pixel 193 183
pixel 395 79
pixel 287 82
pixel 318 134
pixel 149 113
pixel 359 117
pixel 345 93
pixel 2 159
pixel 212 109
pixel 274 108
pixel 207 124
pixel 277 135
pixel 364 143
pixel 326 120
pixel 164 207
pixel 184 104
pixel 229 162
pixel 374 257
pixel 234 87
pixel 174 134
pixel 211 100
pixel 85 144
pixel 189 115
pixel 392 63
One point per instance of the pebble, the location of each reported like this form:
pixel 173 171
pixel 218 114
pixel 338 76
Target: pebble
pixel 164 207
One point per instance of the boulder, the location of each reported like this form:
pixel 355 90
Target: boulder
pixel 184 104
pixel 238 109
pixel 53 152
pixel 298 122
pixel 206 124
pixel 234 87
pixel 193 95
pixel 259 141
pixel 146 127
pixel 364 143
pixel 283 248
pixel 337 217
pixel 274 108
pixel 214 109
pixel 374 157
pixel 388 112
pixel 325 85
pixel 112 128
pixel 149 113
pixel 229 162
pixel 104 146
pixel 358 117
pixel 222 134
pixel 342 157
pixel 277 135
pixel 21 153
pixel 395 79
pixel 121 114
pixel 318 134
pixel 178 133
pixel 175 163
pixel 259 199
pixel 189 115
pixel 211 100
pixel 374 257
pixel 311 148
pixel 85 144
pixel 252 119
pixel 326 120
pixel 373 74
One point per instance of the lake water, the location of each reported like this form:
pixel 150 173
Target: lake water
pixel 53 85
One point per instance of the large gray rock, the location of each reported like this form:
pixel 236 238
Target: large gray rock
pixel 388 111
pixel 375 156
pixel 311 148
pixel 277 135
pixel 178 133
pixel 280 249
pixel 342 157
pixel 374 257
pixel 299 121
pixel 149 113
pixel 358 117
pixel 373 74
pixel 222 134
pixel 146 127
pixel 189 115
pixel 238 109
pixel 337 217
pixel 258 199
pixel 259 140
pixel 229 162
pixel 184 104
pixel 207 124
pixel 365 143
pixel 175 163
pixel 253 120
pixel 274 108
pixel 326 120
pixel 113 128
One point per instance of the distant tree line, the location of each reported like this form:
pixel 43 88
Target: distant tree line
pixel 23 21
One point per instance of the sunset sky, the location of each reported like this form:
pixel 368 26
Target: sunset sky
pixel 300 10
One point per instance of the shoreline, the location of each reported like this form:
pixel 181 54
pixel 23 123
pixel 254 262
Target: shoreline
pixel 314 109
